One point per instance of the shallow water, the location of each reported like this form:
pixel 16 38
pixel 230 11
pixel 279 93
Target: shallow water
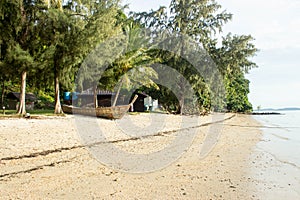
pixel 282 136
pixel 276 161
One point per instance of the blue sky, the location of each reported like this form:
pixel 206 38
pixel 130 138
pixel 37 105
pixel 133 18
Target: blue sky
pixel 276 27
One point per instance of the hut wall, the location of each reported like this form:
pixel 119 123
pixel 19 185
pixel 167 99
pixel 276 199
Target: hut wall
pixel 138 106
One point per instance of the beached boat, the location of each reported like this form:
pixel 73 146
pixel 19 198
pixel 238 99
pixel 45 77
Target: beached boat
pixel 113 112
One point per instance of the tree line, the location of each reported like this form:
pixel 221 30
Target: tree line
pixel 44 44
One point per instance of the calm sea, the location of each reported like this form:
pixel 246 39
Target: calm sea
pixel 282 136
pixel 276 165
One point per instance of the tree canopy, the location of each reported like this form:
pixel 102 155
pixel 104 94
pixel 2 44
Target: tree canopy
pixel 51 45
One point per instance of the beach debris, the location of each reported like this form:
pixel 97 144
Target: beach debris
pixel 27 115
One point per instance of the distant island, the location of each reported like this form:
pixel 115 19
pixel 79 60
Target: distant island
pixel 279 109
pixel 273 111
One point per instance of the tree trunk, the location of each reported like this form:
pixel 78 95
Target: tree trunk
pixel 2 93
pixel 182 95
pixel 181 105
pixel 95 96
pixel 22 108
pixel 58 109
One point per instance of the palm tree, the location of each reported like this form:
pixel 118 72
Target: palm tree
pixel 134 66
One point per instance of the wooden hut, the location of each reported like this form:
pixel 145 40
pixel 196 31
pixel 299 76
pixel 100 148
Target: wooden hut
pixel 145 103
pixel 87 98
pixel 139 104
pixel 14 97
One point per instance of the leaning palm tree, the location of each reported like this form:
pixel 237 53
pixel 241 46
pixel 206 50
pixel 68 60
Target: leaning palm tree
pixel 127 59
pixel 134 66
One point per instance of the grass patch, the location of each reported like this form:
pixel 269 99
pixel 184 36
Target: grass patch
pixel 12 113
pixel 41 112
pixel 8 112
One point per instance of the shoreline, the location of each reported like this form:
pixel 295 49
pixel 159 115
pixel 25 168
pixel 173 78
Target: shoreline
pixel 223 174
pixel 275 166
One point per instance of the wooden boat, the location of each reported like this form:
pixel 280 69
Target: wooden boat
pixel 114 112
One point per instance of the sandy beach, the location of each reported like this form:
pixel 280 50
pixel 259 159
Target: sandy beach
pixel 47 159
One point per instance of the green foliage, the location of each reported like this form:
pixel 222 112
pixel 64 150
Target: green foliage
pixel 237 89
pixel 45 97
pixel 50 39
pixel 233 59
pixel 165 96
pixel 20 58
pixel 189 20
pixel 235 53
pixel 200 21
pixel 133 66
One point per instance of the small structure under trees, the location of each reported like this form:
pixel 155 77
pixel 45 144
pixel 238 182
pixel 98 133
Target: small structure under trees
pixel 14 100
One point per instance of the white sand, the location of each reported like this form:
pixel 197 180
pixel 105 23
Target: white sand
pixel 74 173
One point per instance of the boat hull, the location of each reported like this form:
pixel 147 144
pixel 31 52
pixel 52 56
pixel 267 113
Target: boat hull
pixel 116 112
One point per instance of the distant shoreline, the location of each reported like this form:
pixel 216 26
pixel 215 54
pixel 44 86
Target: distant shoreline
pixel 266 113
pixel 278 109
pixel 272 111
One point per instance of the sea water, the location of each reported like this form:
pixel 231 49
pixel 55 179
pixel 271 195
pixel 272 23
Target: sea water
pixel 282 136
pixel 277 162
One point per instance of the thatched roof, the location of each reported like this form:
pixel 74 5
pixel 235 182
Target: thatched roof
pixel 16 96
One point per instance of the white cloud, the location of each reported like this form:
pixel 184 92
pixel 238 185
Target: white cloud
pixel 276 27
pixel 274 24
pixel 276 95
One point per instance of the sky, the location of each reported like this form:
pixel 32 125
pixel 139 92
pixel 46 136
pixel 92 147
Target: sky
pixel 275 25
